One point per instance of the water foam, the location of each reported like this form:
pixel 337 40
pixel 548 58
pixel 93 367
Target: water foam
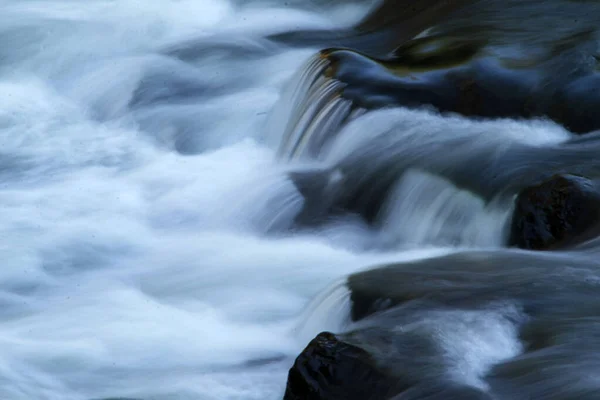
pixel 142 251
pixel 145 246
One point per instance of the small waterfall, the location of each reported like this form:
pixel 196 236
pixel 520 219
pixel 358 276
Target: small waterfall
pixel 424 209
pixel 330 311
pixel 310 112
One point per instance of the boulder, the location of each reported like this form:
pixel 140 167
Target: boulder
pixel 409 367
pixel 562 211
pixel 331 369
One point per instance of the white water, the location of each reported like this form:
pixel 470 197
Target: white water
pixel 130 269
pixel 143 252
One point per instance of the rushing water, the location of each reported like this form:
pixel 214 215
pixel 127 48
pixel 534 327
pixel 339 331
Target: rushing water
pixel 137 200
pixel 146 204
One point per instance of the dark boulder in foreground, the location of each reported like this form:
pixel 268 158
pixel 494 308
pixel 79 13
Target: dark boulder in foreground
pixel 414 322
pixel 562 211
pixel 334 367
pixel 330 369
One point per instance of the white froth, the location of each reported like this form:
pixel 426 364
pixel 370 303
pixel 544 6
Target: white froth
pixel 140 249
pixel 143 252
pixel 472 341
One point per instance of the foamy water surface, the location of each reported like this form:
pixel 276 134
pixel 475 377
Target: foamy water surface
pixel 144 216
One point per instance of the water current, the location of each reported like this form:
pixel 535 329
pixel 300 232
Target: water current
pixel 148 219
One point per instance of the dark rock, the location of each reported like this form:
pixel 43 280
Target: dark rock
pixel 561 211
pixel 456 66
pixel 409 366
pixel 411 311
pixel 457 77
pixel 330 369
pixel 576 107
pixel 389 25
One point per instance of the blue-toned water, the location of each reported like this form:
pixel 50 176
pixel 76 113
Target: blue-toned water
pixel 146 209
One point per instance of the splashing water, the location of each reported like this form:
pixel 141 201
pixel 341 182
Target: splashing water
pixel 147 213
pixel 137 201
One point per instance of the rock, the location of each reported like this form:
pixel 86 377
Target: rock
pixel 410 366
pixel 447 56
pixel 562 211
pixel 389 25
pixel 582 92
pixel 422 323
pixel 331 369
pixel 457 77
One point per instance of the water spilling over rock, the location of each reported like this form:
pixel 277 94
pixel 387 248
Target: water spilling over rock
pixel 323 200
pixel 437 115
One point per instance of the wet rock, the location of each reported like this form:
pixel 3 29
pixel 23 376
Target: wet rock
pixel 331 369
pixel 476 59
pixel 457 77
pixel 409 366
pixel 561 211
pixel 389 25
pixel 576 106
pixel 537 321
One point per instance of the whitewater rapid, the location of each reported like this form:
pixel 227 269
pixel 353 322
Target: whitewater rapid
pixel 136 201
pixel 145 215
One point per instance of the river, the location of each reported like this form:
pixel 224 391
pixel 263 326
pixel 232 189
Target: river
pixel 148 247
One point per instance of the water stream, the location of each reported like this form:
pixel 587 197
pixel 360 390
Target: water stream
pixel 148 219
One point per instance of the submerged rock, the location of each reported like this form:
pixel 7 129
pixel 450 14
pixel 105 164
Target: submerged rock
pixel 561 211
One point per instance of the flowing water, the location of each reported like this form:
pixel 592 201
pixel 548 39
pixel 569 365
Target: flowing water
pixel 147 215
